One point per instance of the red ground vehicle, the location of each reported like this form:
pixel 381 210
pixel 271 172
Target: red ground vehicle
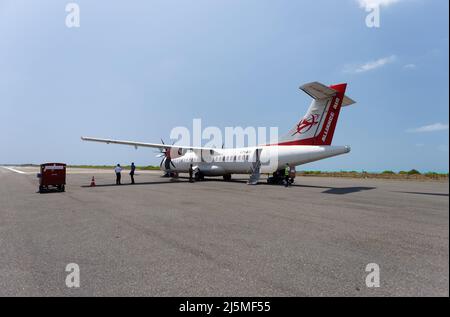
pixel 52 175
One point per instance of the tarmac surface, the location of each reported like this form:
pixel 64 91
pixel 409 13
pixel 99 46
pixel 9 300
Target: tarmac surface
pixel 164 237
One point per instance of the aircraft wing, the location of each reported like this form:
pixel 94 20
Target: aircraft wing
pixel 151 145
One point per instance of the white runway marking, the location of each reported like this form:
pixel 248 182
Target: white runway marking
pixel 14 170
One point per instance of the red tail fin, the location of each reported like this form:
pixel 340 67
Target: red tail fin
pixel 325 136
pixel 318 125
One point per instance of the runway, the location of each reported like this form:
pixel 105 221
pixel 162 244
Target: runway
pixel 164 237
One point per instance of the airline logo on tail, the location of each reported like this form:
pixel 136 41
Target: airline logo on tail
pixel 307 123
pixel 327 127
pixel 330 119
pixel 336 103
pixel 318 125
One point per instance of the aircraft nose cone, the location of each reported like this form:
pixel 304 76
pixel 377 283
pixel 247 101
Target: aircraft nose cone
pixel 348 148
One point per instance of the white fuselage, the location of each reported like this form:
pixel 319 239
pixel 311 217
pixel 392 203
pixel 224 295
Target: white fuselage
pixel 241 160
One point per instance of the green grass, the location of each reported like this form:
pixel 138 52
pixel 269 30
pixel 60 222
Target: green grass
pixel 412 174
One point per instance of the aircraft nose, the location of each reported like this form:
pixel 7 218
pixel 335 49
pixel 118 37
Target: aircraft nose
pixel 348 148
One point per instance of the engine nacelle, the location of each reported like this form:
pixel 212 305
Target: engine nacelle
pixel 177 152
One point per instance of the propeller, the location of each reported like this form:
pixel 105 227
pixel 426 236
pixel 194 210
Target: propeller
pixel 165 154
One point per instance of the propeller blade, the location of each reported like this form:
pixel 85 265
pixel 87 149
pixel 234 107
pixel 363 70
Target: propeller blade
pixel 172 164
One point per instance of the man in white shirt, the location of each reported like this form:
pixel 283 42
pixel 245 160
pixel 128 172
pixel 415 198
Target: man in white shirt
pixel 117 170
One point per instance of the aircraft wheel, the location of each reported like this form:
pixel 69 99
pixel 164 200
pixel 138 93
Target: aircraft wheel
pixel 227 177
pixel 199 176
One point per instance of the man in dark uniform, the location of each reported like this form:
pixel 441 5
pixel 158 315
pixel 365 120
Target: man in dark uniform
pixel 191 173
pixel 117 170
pixel 133 168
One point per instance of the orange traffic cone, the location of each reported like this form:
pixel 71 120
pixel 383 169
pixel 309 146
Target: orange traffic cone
pixel 93 182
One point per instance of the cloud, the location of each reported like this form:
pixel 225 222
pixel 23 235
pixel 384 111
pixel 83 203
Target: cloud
pixel 372 65
pixel 435 127
pixel 370 4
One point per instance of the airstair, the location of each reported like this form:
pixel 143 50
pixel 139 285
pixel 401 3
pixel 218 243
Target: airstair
pixel 256 169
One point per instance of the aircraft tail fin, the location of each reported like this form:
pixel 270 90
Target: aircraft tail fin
pixel 318 125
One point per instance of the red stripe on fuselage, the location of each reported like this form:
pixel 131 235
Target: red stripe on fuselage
pixel 298 142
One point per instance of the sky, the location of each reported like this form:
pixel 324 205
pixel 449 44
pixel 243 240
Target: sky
pixel 134 70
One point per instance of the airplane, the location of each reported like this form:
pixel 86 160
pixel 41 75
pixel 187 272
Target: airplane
pixel 308 141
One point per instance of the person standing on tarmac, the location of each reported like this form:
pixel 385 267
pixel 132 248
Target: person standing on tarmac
pixel 118 170
pixel 287 170
pixel 133 168
pixel 191 173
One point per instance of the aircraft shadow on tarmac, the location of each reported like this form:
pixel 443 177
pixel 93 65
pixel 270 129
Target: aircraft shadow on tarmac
pixel 346 190
pixel 328 190
pixel 334 190
pixel 135 184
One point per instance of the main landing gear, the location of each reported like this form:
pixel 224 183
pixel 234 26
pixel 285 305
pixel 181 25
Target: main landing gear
pixel 198 176
pixel 278 178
